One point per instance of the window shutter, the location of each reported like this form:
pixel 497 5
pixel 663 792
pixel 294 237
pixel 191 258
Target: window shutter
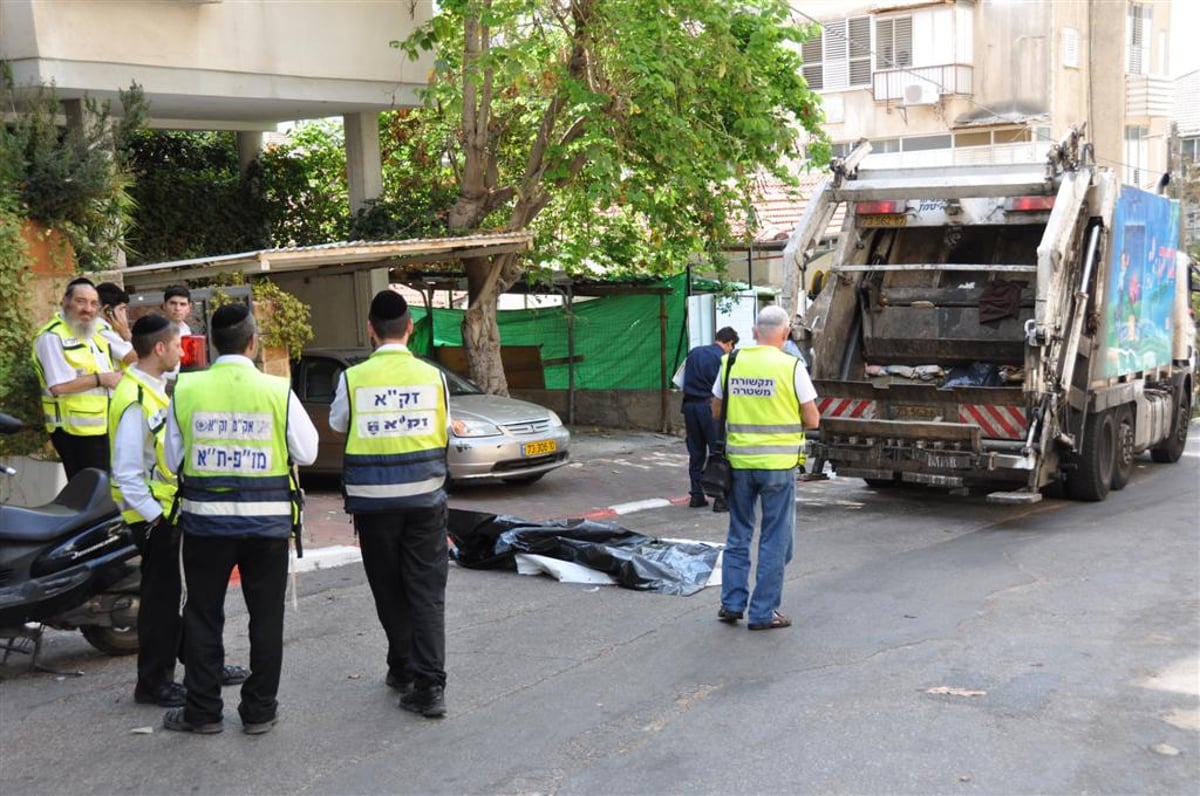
pixel 903 41
pixel 835 55
pixel 860 51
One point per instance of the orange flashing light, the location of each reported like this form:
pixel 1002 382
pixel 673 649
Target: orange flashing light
pixel 1030 204
pixel 881 208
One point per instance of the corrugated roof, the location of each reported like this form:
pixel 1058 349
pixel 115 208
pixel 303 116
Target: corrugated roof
pixel 346 256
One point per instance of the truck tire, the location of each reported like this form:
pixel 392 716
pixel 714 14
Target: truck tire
pixel 1123 452
pixel 1169 450
pixel 1096 460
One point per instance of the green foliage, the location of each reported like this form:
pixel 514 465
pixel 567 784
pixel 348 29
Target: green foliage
pixel 626 133
pixel 76 180
pixel 288 323
pixel 192 200
pixel 304 186
pixel 18 382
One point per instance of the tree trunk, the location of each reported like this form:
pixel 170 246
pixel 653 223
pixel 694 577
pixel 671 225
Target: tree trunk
pixel 480 332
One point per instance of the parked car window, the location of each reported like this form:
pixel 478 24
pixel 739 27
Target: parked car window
pixel 320 381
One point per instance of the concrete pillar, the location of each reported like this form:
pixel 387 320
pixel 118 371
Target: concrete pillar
pixel 78 120
pixel 249 145
pixel 364 168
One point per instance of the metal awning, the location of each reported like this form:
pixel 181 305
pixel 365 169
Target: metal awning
pixel 329 257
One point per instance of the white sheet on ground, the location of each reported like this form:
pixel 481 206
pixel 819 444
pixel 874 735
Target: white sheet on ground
pixel 570 572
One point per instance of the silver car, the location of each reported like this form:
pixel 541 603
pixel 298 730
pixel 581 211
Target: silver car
pixel 499 438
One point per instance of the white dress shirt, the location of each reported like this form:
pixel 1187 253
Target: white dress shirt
pixel 120 347
pixel 301 433
pixel 133 454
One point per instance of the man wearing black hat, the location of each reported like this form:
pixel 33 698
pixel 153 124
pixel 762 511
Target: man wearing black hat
pixel 144 485
pixel 232 436
pixel 394 410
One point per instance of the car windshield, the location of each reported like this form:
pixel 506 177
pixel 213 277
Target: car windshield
pixel 457 384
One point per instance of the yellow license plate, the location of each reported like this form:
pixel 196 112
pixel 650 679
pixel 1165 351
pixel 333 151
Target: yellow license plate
pixel 539 448
pixel 883 221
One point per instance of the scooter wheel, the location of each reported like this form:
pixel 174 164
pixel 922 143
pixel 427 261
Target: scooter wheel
pixel 112 640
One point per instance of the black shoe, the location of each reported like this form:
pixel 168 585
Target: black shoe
pixel 697 502
pixel 167 695
pixel 398 683
pixel 720 506
pixel 728 616
pixel 175 720
pixel 259 727
pixel 430 701
pixel 234 675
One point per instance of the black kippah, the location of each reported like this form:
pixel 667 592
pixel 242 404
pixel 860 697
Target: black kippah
pixel 229 315
pixel 150 324
pixel 388 305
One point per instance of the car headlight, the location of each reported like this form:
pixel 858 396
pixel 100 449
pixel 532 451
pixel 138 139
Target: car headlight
pixel 472 427
pixel 555 421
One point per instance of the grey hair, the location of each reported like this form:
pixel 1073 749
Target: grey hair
pixel 772 318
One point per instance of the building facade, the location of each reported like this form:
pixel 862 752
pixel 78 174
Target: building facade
pixel 995 80
pixel 242 65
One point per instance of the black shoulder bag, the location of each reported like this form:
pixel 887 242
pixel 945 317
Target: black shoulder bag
pixel 717 478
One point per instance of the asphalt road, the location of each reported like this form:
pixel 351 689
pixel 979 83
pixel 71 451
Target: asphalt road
pixel 940 645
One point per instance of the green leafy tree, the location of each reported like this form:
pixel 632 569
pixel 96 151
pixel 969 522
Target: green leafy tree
pixel 74 180
pixel 624 134
pixel 192 199
pixel 304 186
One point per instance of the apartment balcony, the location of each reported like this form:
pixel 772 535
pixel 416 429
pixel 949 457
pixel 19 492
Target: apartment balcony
pixel 921 85
pixel 1149 96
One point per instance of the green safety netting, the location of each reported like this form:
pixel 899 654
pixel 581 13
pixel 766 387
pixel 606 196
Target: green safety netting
pixel 618 343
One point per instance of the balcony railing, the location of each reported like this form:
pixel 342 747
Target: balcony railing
pixel 1149 96
pixel 891 84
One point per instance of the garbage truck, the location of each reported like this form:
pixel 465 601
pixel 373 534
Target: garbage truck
pixel 1017 329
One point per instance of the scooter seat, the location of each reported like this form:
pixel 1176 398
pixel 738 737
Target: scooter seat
pixel 85 500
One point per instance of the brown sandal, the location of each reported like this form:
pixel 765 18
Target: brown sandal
pixel 778 620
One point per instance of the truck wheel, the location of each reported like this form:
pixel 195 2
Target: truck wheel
pixel 1096 460
pixel 1169 450
pixel 1123 466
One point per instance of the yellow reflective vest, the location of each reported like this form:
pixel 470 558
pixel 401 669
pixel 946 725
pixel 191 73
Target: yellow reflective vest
pixel 84 414
pixel 161 480
pixel 235 479
pixel 763 427
pixel 395 455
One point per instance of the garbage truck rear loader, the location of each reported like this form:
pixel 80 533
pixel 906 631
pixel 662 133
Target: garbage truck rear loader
pixel 1014 328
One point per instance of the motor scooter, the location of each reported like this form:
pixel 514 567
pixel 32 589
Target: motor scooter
pixel 68 564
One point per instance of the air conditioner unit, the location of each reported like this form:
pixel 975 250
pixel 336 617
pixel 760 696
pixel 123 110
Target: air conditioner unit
pixel 922 93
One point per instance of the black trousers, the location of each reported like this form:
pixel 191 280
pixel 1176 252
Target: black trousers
pixel 79 452
pixel 208 562
pixel 160 626
pixel 405 556
pixel 702 432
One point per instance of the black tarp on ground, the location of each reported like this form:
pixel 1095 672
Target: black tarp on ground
pixel 635 561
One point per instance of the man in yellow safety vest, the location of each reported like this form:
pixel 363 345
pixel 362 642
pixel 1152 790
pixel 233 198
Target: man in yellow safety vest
pixel 771 402
pixel 75 371
pixel 394 410
pixel 232 435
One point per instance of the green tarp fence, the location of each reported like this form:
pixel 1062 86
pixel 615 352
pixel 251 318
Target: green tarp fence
pixel 618 344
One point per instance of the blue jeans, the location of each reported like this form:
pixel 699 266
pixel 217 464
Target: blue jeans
pixel 776 490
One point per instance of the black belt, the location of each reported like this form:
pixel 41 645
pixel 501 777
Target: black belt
pixel 694 399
